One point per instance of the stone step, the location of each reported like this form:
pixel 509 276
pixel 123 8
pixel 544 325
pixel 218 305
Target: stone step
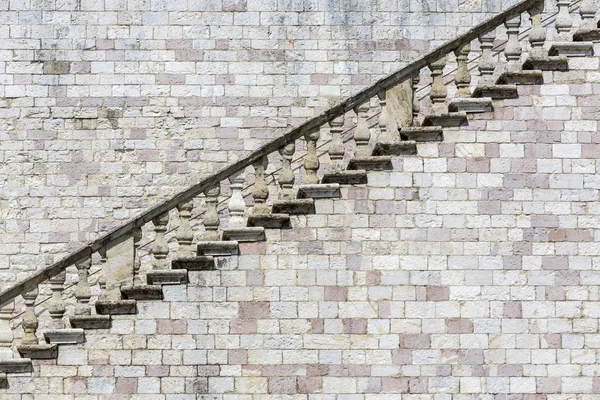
pixel 142 292
pixel 245 234
pixel 402 148
pixel 496 92
pixel 372 163
pixel 348 177
pixel 90 321
pixel 271 221
pixel 43 351
pixel 218 248
pixel 532 77
pixel 199 263
pixel 556 63
pixel 471 105
pixel 572 49
pixel 422 133
pixel 319 191
pixel 587 35
pixel 64 336
pixel 294 207
pixel 167 277
pixel 446 120
pixel 116 307
pixel 15 365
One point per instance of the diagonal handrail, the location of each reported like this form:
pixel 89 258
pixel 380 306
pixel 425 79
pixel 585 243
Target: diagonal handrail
pixel 311 125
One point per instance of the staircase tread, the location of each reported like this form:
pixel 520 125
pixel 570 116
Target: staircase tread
pixel 401 148
pixel 446 120
pixel 319 191
pixel 370 163
pixel 116 307
pixel 586 35
pixel 217 247
pixel 167 277
pixel 471 104
pixel 198 263
pixel 346 177
pixel 294 206
pixel 16 365
pixel 64 336
pixel 142 292
pixel 244 234
pixel 547 63
pixel 268 220
pixel 41 351
pixel 573 49
pixel 496 91
pixel 90 321
pixel 523 77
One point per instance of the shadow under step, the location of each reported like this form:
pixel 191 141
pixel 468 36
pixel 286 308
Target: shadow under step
pixel 572 49
pixel 319 191
pixel 142 292
pixel 446 120
pixel 116 307
pixel 294 207
pixel 15 365
pixel 64 336
pixel 470 104
pixel 199 263
pixel 42 351
pixel 90 321
pixel 245 234
pixel 167 277
pixel 272 221
pixel 556 63
pixel 218 248
pixel 422 134
pixel 532 77
pixel 402 148
pixel 587 35
pixel 496 92
pixel 372 163
pixel 348 177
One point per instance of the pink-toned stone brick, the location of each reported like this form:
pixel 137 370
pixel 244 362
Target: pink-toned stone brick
pixel 336 293
pixel 415 341
pixel 171 326
pixel 254 310
pixel 394 385
pixel 459 325
pixel 242 326
pixel 308 385
pixel 355 326
pixel 513 309
pixel 282 385
pixel 126 385
pixel 438 293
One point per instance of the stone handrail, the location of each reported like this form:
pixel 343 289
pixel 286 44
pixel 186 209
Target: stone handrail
pixel 308 127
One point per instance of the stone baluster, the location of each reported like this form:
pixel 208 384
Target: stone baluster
pixel 103 272
pixel 286 176
pixel 385 135
pixel 564 21
pixel 160 247
pixel 537 35
pixel 362 134
pixel 416 106
pixel 6 333
pixel 30 322
pixel 587 10
pixel 185 235
pixel 487 65
pixel 236 205
pixel 463 76
pixel 438 92
pixel 211 216
pixel 336 147
pixel 83 292
pixel 311 160
pixel 260 191
pixel 56 306
pixel 513 49
pixel 137 262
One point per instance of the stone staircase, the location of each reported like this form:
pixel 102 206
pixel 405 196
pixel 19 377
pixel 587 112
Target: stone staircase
pixel 126 281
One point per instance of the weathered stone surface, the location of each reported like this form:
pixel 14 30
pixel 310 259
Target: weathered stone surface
pixel 521 78
pixel 471 105
pixel 218 248
pixel 272 221
pixel 246 234
pixel 319 191
pixel 496 91
pixel 298 206
pixel 198 263
pixel 116 307
pixel 90 321
pixel 142 292
pixel 64 336
pixel 167 277
pixel 347 177
pixel 572 49
pixel 15 365
pixel 589 35
pixel 422 134
pixel 402 148
pixel 37 352
pixel 451 119
pixel 373 163
pixel 555 63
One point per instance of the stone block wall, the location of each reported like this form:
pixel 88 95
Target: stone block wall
pixel 468 272
pixel 110 106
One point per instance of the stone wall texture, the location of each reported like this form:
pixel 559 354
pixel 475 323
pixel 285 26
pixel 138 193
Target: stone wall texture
pixel 467 272
pixel 110 106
